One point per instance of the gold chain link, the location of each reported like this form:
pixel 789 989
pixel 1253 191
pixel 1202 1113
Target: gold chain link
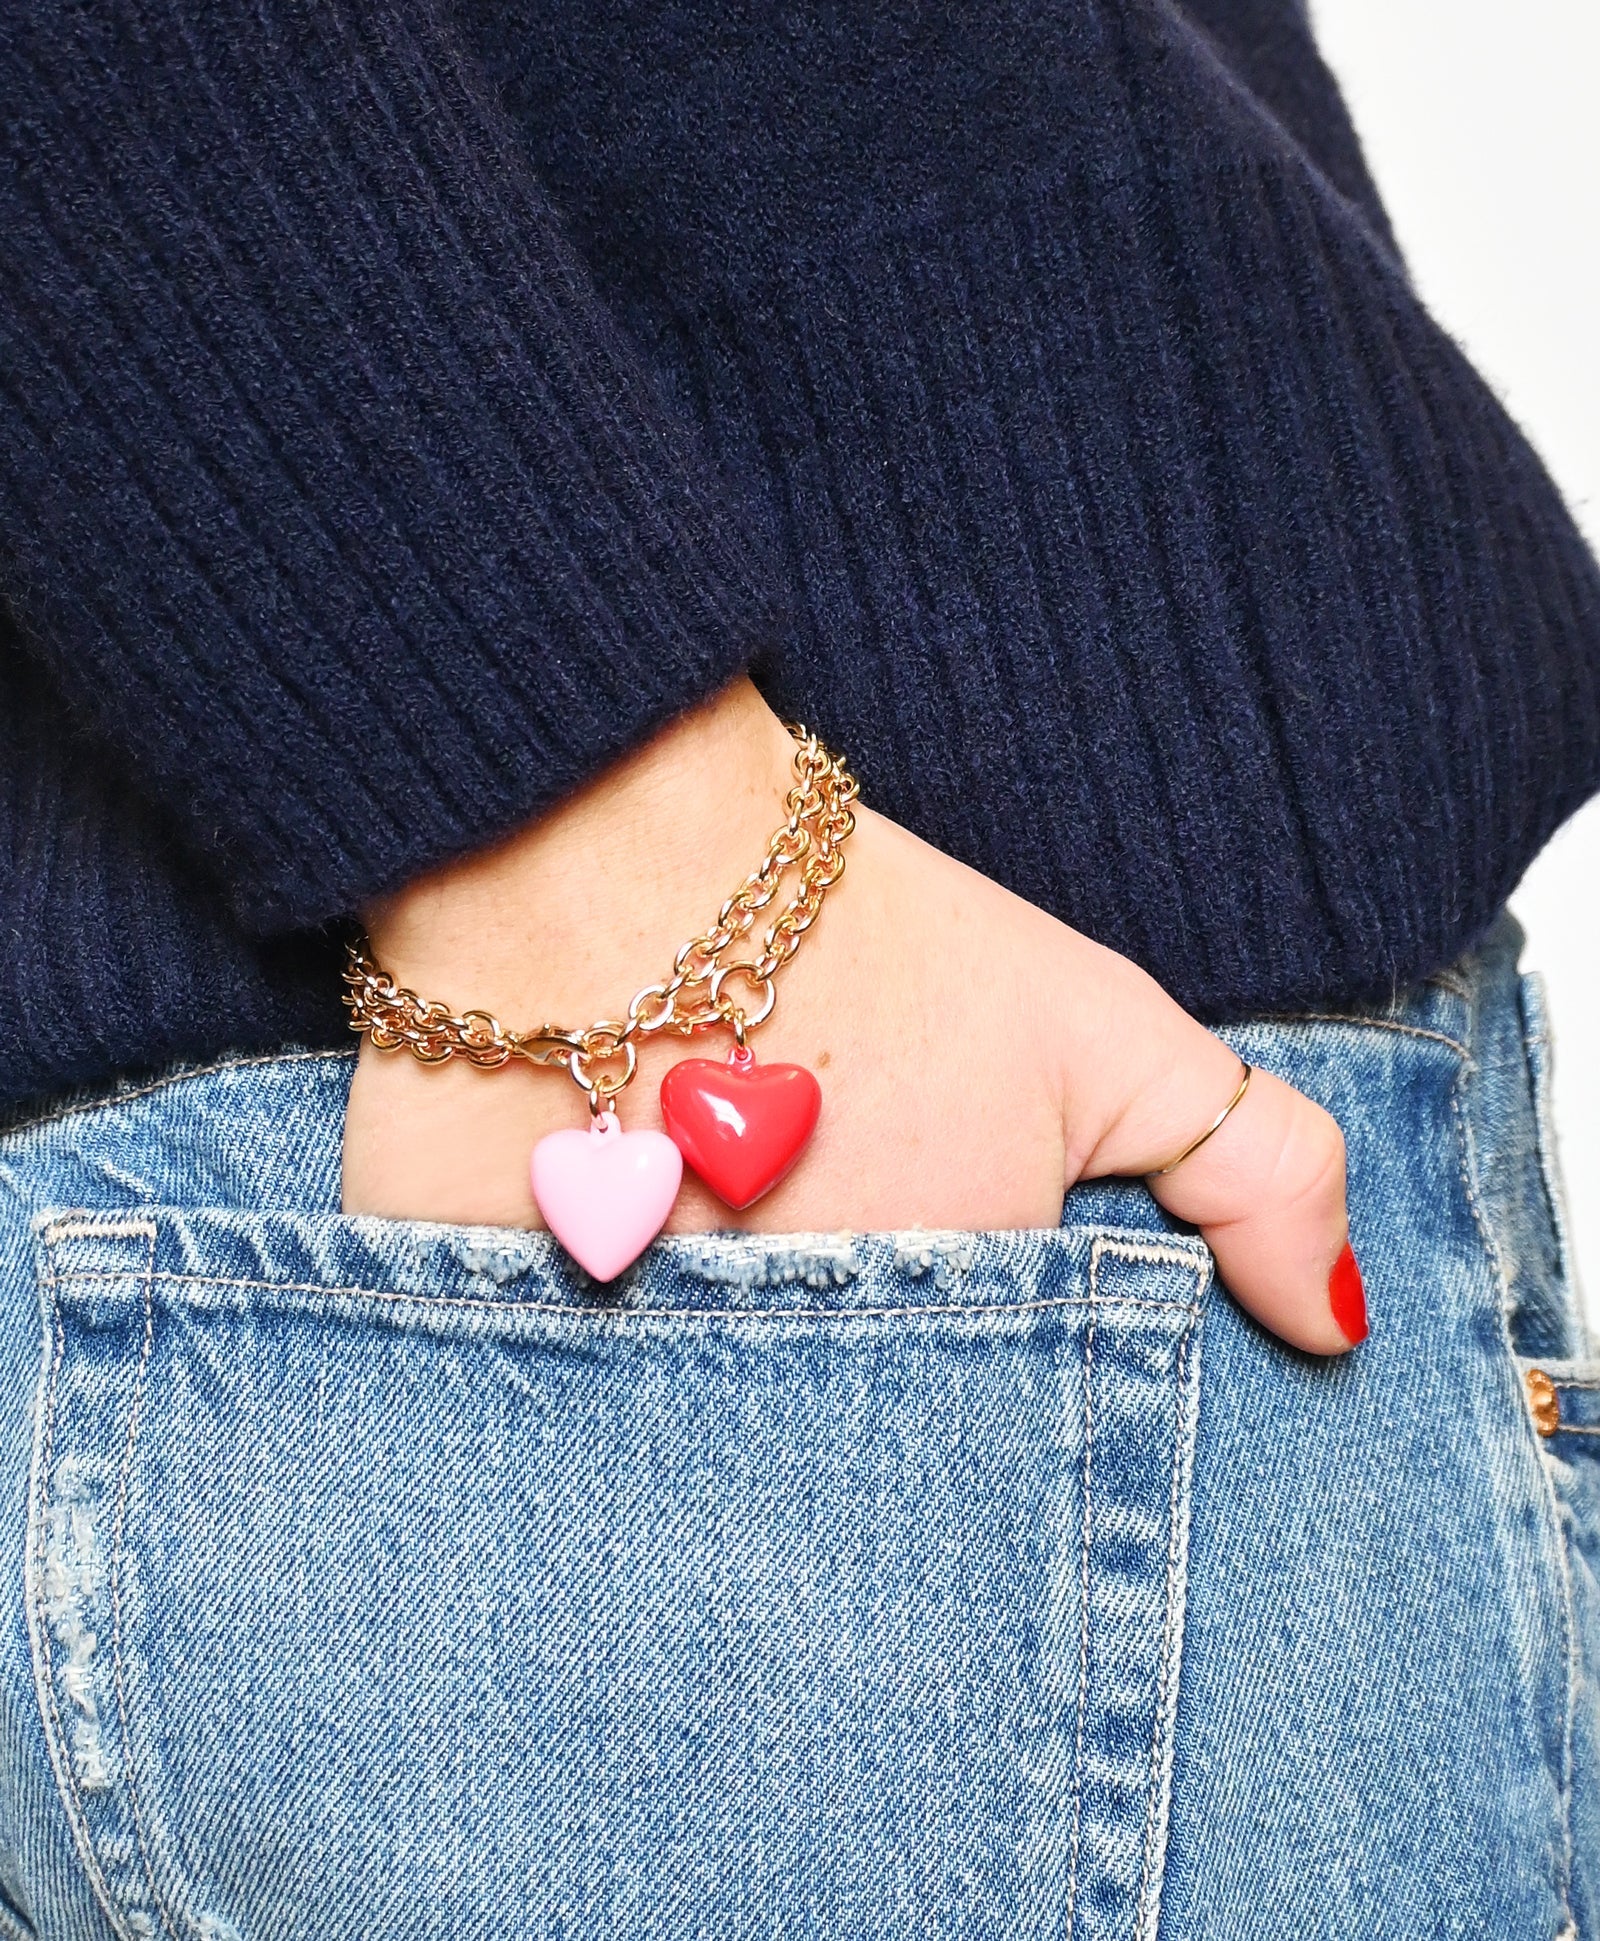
pixel 692 998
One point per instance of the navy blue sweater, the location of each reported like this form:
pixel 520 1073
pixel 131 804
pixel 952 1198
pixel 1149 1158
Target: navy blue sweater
pixel 406 404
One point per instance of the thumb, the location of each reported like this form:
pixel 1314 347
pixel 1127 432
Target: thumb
pixel 1266 1189
pixel 1267 1192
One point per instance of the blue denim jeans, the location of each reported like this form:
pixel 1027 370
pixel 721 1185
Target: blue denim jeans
pixel 372 1579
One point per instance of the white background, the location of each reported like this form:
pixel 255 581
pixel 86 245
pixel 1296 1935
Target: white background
pixel 1481 122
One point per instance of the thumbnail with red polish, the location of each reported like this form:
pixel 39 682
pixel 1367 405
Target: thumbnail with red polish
pixel 1347 1297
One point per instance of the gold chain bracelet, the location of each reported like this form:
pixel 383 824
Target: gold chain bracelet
pixel 606 1193
pixel 818 821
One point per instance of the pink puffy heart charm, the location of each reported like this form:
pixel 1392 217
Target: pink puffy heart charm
pixel 605 1194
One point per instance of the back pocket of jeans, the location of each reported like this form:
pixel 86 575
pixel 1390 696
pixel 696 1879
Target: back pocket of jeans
pixel 386 1580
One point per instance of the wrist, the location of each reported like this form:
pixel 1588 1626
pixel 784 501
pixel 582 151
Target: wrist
pixel 572 912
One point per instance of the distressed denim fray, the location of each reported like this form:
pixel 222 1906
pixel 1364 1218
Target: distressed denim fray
pixel 368 1579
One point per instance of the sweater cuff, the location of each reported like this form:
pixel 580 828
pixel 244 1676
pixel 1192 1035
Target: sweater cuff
pixel 330 490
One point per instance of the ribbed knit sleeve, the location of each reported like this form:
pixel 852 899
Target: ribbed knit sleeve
pixel 114 950
pixel 331 495
pixel 404 404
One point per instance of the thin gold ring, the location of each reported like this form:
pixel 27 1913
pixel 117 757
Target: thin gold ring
pixel 1194 1145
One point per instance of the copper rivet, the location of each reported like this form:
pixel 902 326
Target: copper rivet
pixel 1544 1401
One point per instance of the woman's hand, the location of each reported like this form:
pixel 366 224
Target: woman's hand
pixel 977 1057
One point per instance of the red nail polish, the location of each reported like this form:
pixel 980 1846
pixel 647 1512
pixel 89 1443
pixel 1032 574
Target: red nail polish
pixel 1347 1297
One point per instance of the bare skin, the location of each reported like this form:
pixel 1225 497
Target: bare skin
pixel 977 1057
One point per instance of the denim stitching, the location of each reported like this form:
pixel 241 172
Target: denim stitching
pixel 44 1661
pixel 1371 1024
pixel 60 1230
pixel 1083 1595
pixel 1165 1256
pixel 135 1229
pixel 1540 1056
pixel 116 1591
pixel 1148 1906
pixel 430 1301
pixel 1466 1148
pixel 1151 1250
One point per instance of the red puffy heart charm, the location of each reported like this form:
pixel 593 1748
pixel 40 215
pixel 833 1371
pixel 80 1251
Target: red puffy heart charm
pixel 740 1125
